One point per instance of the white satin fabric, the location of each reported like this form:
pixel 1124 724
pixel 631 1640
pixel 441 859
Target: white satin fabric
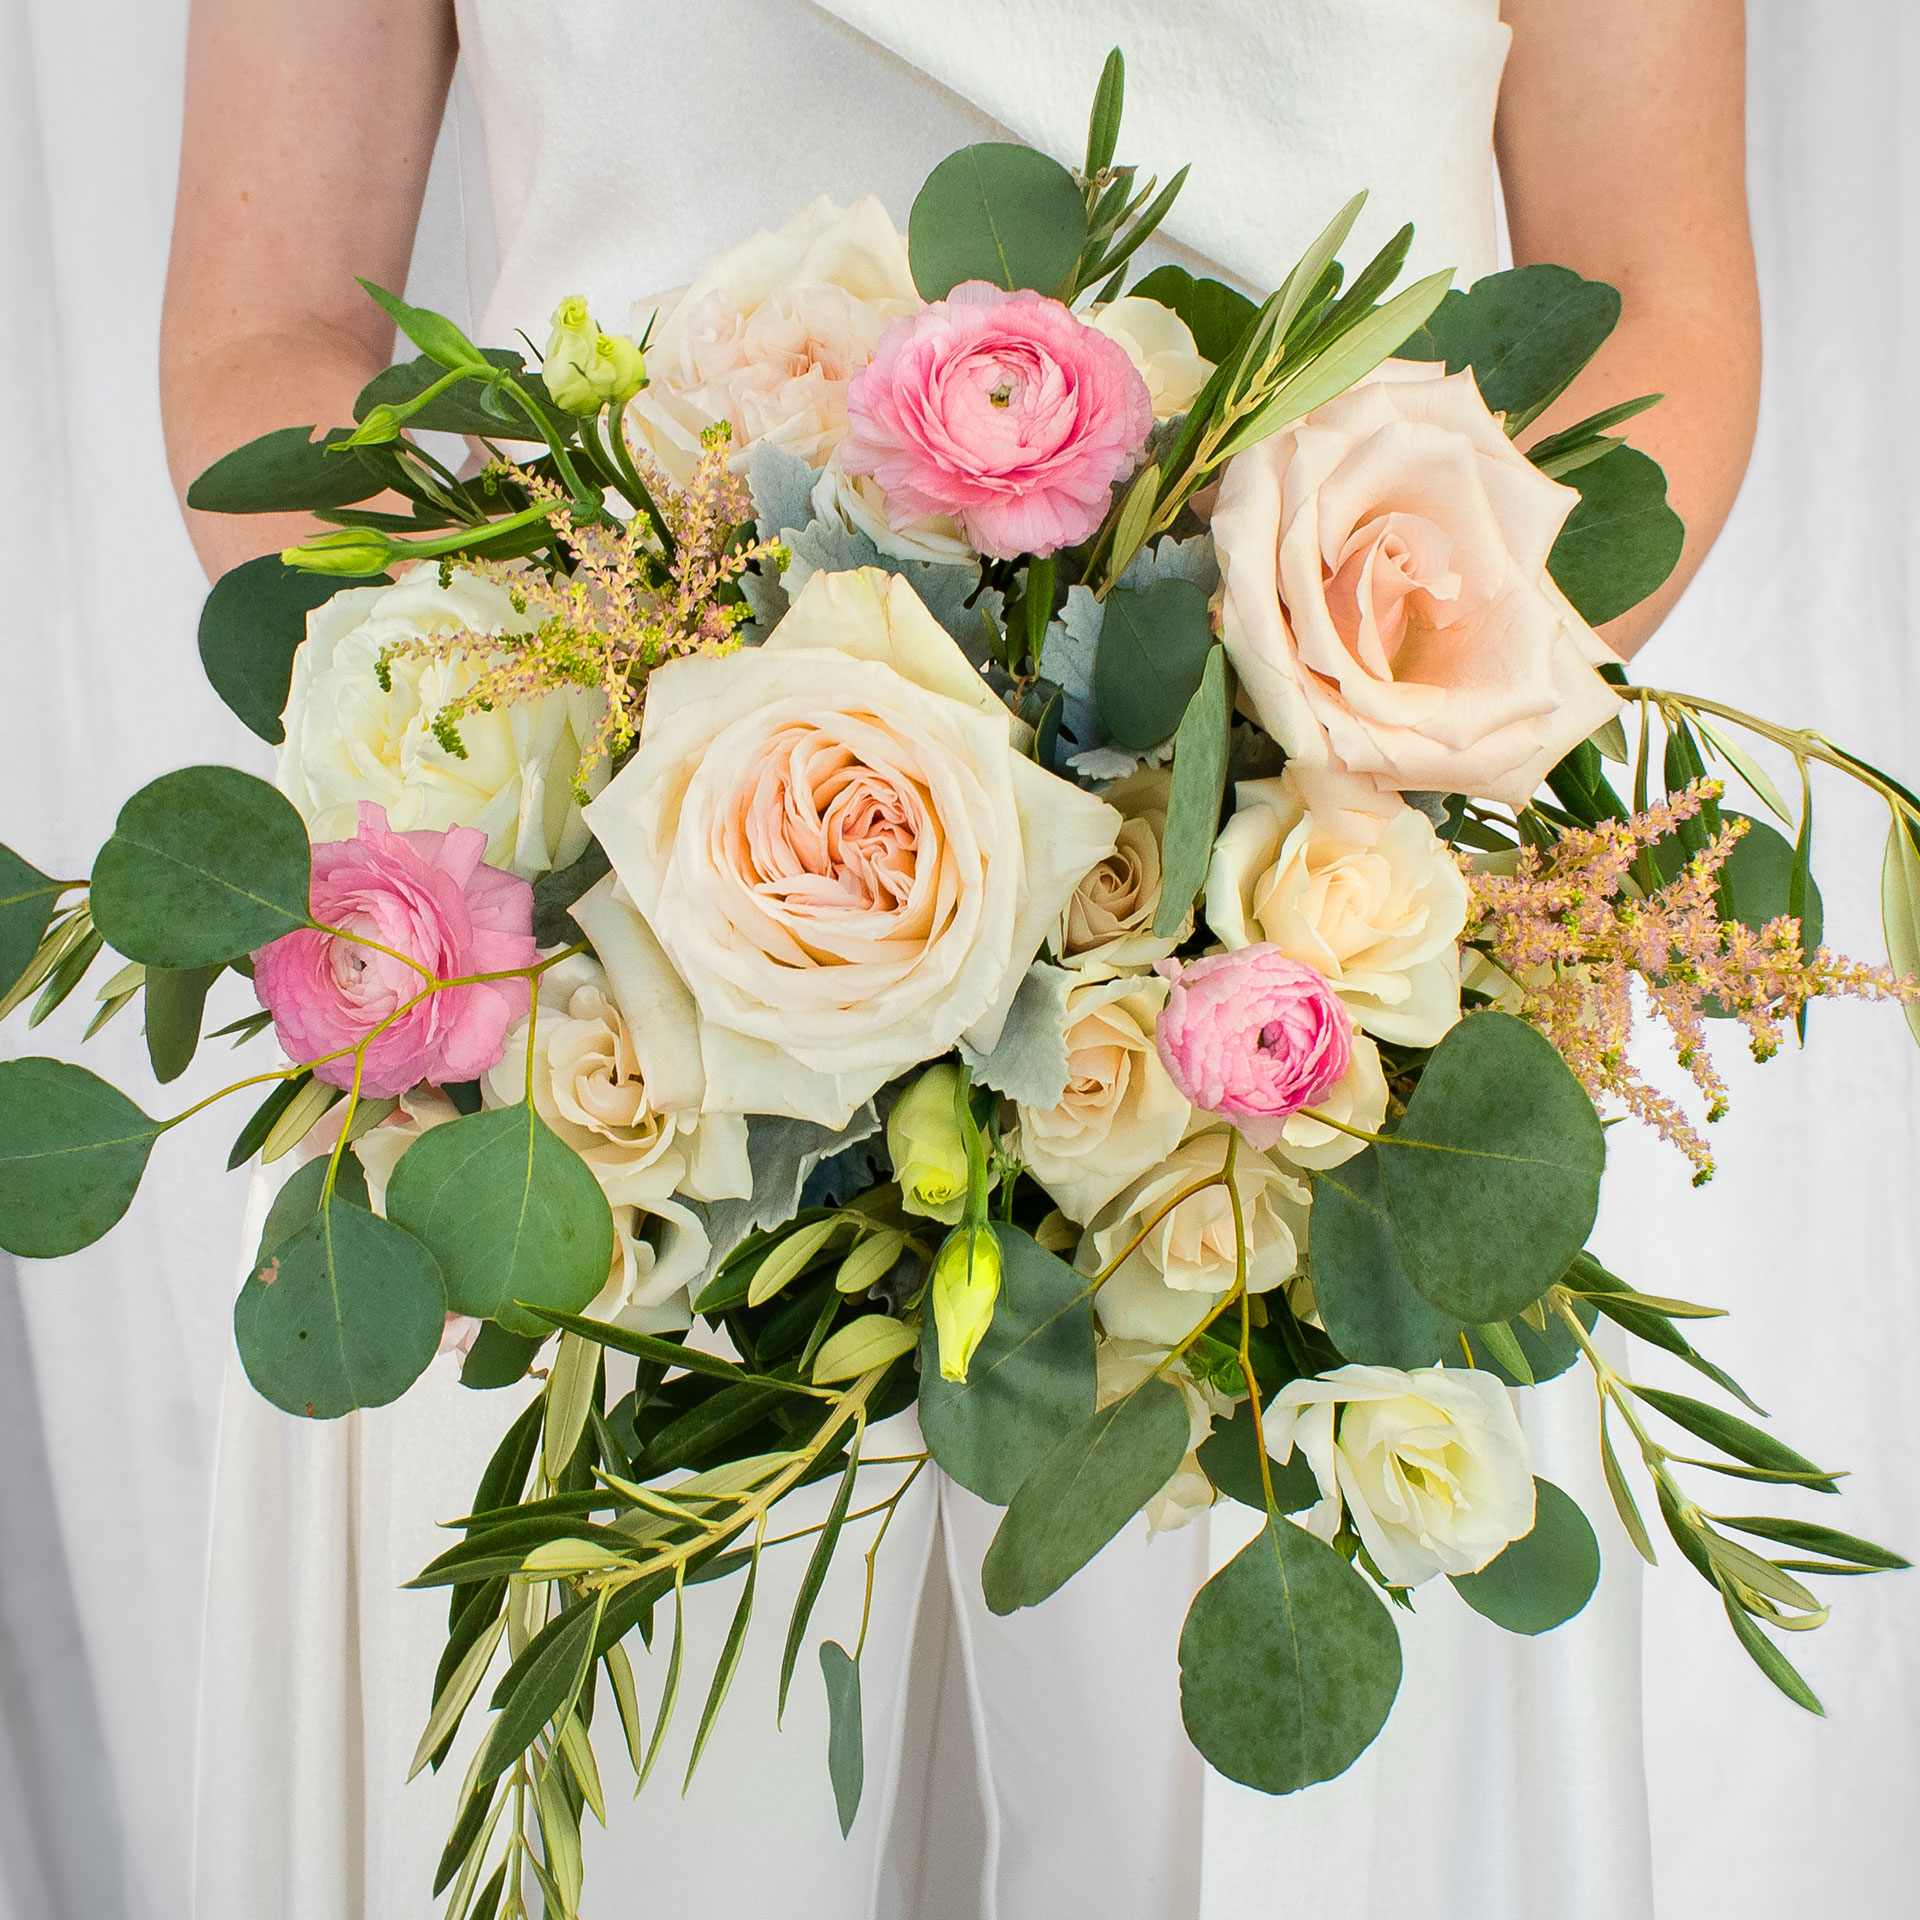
pixel 1804 608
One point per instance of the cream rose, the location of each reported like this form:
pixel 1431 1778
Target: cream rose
pixel 1121 1112
pixel 1387 603
pixel 1431 1467
pixel 834 854
pixel 1160 345
pixel 1165 1287
pixel 1357 1099
pixel 861 507
pixel 1108 921
pixel 1120 1367
pixel 347 741
pixel 768 336
pixel 1353 881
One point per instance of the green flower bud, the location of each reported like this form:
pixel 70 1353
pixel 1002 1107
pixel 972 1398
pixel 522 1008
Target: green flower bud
pixel 586 369
pixel 344 550
pixel 964 1287
pixel 928 1152
pixel 381 426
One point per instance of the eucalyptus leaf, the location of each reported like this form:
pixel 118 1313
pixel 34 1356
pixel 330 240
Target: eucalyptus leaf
pixel 498 1358
pixel 461 409
pixel 997 212
pixel 1154 648
pixel 1289 1663
pixel 1230 1459
pixel 1031 1381
pixel 1215 314
pixel 1083 1492
pixel 346 1313
pixel 846 1745
pixel 1193 805
pixel 72 1150
pixel 512 1214
pixel 204 864
pixel 1543 1579
pixel 1621 542
pixel 1493 1180
pixel 27 900
pixel 176 998
pixel 252 625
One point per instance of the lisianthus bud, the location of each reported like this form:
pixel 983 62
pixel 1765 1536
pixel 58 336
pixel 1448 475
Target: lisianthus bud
pixel 586 369
pixel 344 550
pixel 965 1285
pixel 925 1143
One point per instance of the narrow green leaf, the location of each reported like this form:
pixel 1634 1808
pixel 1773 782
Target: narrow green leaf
pixel 1728 1432
pixel 728 1666
pixel 790 1259
pixel 627 1699
pixel 1505 1348
pixel 1768 1658
pixel 433 333
pixel 846 1745
pixel 572 1389
pixel 1131 523
pixel 1623 1497
pixel 253 1136
pixel 1809 1538
pixel 670 1688
pixel 1748 768
pixel 66 975
pixel 1103 123
pixel 1193 807
pixel 874 1340
pixel 815 1576
pixel 298 1118
pixel 537 1685
pixel 1900 909
pixel 1583 432
pixel 647 1346
pixel 453 1697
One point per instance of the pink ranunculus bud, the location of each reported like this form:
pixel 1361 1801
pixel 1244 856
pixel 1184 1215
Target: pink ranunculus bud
pixel 1002 410
pixel 1253 1036
pixel 431 897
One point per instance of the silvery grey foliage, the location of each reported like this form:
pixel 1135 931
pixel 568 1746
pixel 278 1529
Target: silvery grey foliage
pixel 1029 1061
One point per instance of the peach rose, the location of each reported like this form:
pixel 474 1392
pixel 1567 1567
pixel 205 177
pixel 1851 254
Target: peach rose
pixel 768 336
pixel 1387 603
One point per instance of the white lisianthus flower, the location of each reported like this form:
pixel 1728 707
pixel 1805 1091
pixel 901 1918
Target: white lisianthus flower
pixel 1180 1271
pixel 1108 921
pixel 768 336
pixel 1431 1467
pixel 1123 1365
pixel 1120 1114
pixel 1160 345
pixel 860 506
pixel 585 369
pixel 349 741
pixel 836 862
pixel 1353 882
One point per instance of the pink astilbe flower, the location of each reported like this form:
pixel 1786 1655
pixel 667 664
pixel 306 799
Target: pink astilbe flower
pixel 629 605
pixel 1002 410
pixel 428 896
pixel 1252 1036
pixel 1574 936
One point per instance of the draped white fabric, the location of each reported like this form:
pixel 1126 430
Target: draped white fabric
pixel 1809 1233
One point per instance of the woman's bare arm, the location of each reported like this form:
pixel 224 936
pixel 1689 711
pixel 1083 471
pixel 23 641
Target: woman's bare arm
pixel 1622 146
pixel 309 130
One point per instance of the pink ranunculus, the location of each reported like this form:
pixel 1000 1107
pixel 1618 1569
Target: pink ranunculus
pixel 1253 1036
pixel 1001 410
pixel 427 895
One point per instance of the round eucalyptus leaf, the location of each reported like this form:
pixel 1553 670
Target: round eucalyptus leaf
pixel 1154 646
pixel 204 864
pixel 1622 540
pixel 997 212
pixel 1230 1458
pixel 72 1150
pixel 511 1212
pixel 1535 1583
pixel 1289 1663
pixel 1031 1381
pixel 1493 1180
pixel 27 900
pixel 1084 1491
pixel 345 1312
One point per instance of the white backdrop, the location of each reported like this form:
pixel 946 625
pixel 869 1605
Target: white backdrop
pixel 110 1361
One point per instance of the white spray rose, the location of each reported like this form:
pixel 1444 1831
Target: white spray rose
pixel 348 741
pixel 860 506
pixel 1120 1114
pixel 1160 345
pixel 1123 1365
pixel 836 862
pixel 1168 1284
pixel 1431 1467
pixel 1108 921
pixel 768 336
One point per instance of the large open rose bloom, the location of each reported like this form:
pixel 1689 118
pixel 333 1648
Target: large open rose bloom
pixel 836 862
pixel 768 336
pixel 1002 410
pixel 428 896
pixel 349 739
pixel 1431 1467
pixel 1387 602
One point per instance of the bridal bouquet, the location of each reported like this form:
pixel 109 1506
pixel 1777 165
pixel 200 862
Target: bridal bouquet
pixel 938 828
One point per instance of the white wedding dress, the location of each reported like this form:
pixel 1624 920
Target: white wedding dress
pixel 626 143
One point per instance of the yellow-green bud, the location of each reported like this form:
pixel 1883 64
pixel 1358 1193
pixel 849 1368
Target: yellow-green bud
pixel 345 550
pixel 586 369
pixel 965 1285
pixel 928 1152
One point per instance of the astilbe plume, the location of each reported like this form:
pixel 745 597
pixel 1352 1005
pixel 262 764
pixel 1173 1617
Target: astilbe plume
pixel 1573 933
pixel 632 602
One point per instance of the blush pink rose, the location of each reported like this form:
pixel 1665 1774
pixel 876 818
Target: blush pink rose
pixel 1253 1036
pixel 1001 410
pixel 427 895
